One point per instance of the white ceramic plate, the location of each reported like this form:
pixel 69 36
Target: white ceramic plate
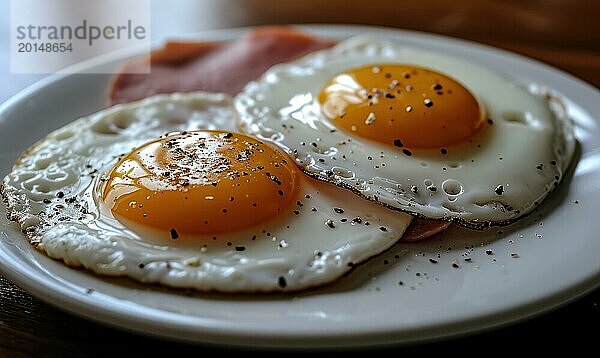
pixel 397 297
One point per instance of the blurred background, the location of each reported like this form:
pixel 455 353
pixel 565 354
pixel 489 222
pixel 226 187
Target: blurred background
pixel 559 32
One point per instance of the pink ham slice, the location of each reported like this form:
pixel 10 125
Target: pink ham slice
pixel 227 67
pixel 420 229
pixel 214 67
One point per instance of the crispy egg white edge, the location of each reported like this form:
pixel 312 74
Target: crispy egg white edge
pixel 288 90
pixel 64 161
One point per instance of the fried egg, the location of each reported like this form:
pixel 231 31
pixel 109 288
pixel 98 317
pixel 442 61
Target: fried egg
pixel 422 132
pixel 165 191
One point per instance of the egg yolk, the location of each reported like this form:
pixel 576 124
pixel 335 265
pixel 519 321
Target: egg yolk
pixel 201 182
pixel 401 105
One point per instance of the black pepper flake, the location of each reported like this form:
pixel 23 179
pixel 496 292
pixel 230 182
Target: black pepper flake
pixel 437 87
pixel 321 160
pixel 499 189
pixel 282 282
pixel 407 152
pixel 275 179
pixel 357 220
pixel 174 234
pixel 141 265
pixel 490 121
pixel 553 162
pixel 330 223
pixel 338 210
pixel 60 194
pixel 313 209
pixel 428 103
pixel 489 252
pixel 444 151
pixel 540 166
pixel 433 261
pixel 296 212
pixel 389 95
pixel 228 135
pixel 468 259
pixel 280 192
pixel 46 201
pixel 398 143
pixel 383 228
pixel 240 248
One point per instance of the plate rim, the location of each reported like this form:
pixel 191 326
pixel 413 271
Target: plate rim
pixel 89 307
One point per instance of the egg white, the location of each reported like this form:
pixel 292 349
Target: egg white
pixel 52 192
pixel 499 175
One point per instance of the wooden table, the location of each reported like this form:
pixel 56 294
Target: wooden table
pixel 563 33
